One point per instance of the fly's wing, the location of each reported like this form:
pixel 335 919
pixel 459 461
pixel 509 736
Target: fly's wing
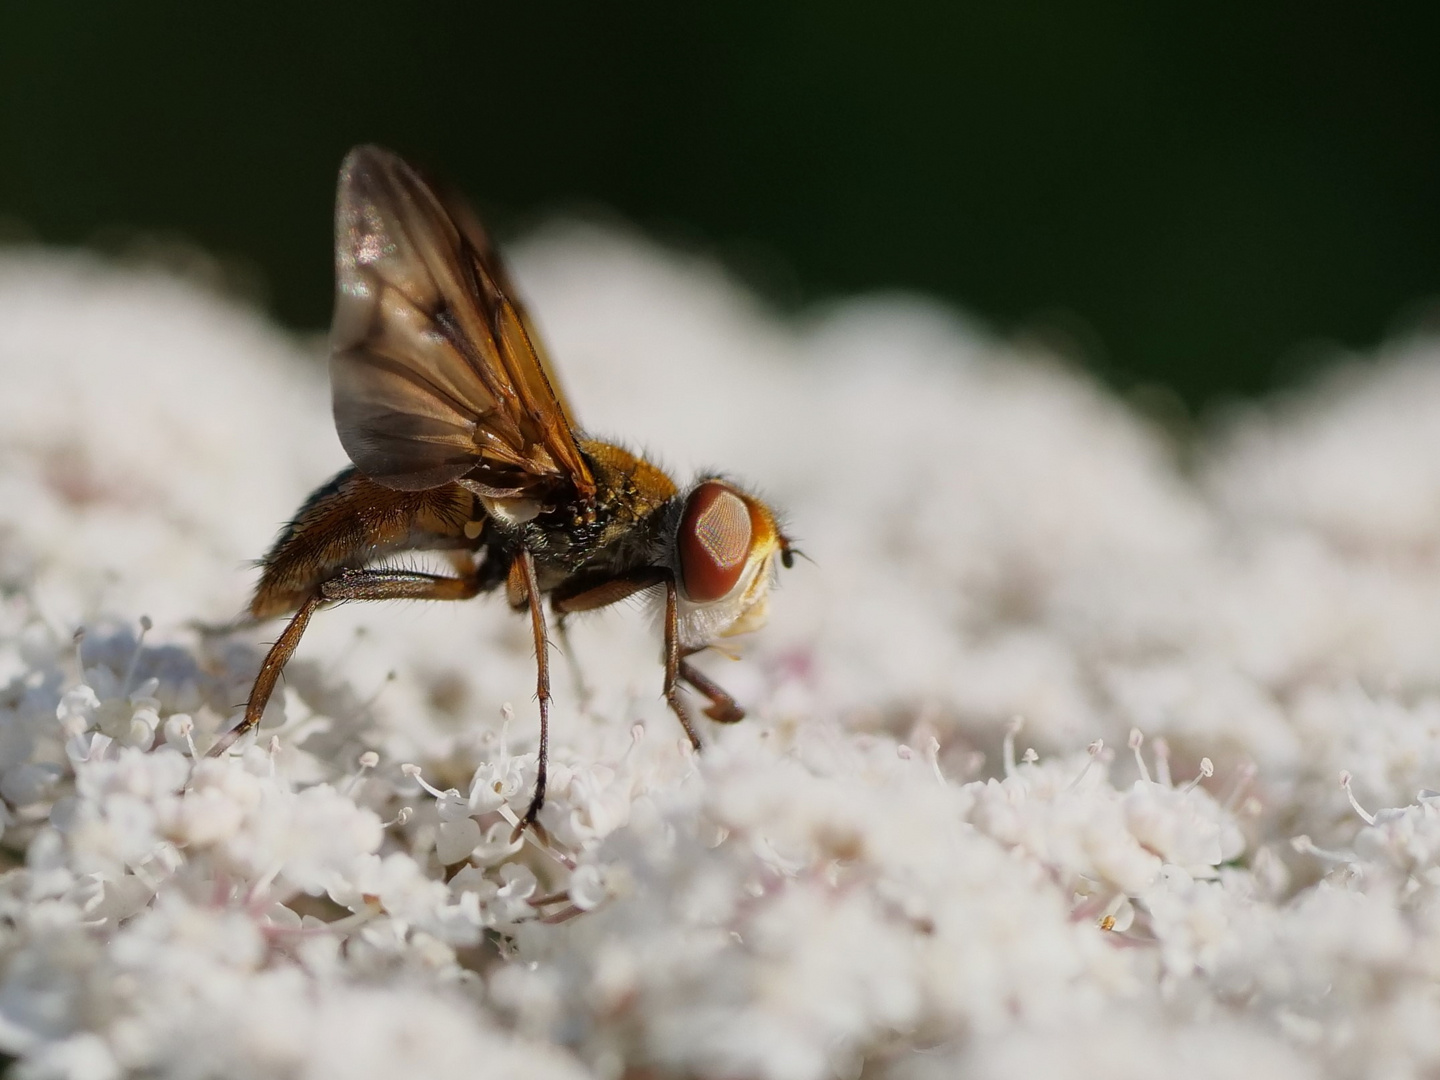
pixel 474 232
pixel 433 370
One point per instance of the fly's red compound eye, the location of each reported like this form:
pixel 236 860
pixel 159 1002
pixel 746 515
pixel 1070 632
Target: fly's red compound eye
pixel 714 541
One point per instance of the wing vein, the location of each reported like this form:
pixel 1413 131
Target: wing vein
pixel 426 334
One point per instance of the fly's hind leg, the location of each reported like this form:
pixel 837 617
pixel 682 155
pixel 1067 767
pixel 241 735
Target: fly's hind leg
pixel 275 661
pixel 347 585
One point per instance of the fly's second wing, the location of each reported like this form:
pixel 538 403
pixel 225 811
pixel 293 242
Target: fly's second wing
pixel 433 372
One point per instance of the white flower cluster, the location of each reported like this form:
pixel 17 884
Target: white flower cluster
pixel 156 916
pixel 868 876
pixel 786 905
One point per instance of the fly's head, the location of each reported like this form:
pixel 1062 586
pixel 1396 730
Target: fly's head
pixel 725 545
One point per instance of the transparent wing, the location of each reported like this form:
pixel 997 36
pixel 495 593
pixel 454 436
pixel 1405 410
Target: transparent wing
pixel 468 223
pixel 434 374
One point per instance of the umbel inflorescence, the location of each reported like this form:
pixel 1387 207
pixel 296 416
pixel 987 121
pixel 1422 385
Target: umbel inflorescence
pixel 876 874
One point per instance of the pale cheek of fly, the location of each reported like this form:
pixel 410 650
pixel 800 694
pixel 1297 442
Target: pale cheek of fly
pixel 753 618
pixel 701 624
pixel 743 610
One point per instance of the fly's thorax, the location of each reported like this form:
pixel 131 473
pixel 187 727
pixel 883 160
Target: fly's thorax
pixel 616 529
pixel 623 520
pixel 625 480
pixel 721 543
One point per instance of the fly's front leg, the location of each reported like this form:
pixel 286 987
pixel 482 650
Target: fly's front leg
pixel 723 708
pixel 673 661
pixel 592 592
pixel 587 594
pixel 348 585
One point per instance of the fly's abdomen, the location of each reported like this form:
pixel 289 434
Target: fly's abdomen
pixel 350 522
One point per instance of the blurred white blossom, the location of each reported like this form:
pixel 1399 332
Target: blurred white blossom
pixel 879 872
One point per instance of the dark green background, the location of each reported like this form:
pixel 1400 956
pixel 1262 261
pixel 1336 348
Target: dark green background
pixel 1196 194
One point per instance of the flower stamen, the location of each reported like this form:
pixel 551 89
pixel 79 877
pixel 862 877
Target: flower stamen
pixel 134 665
pixel 1094 750
pixel 1365 815
pixel 1137 740
pixel 1207 770
pixel 1011 730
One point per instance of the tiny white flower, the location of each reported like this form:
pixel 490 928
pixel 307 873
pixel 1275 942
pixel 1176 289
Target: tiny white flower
pixel 30 783
pixel 496 782
pixel 83 1056
pixel 455 840
pixel 77 709
pixel 588 888
pixel 512 901
pixel 498 843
